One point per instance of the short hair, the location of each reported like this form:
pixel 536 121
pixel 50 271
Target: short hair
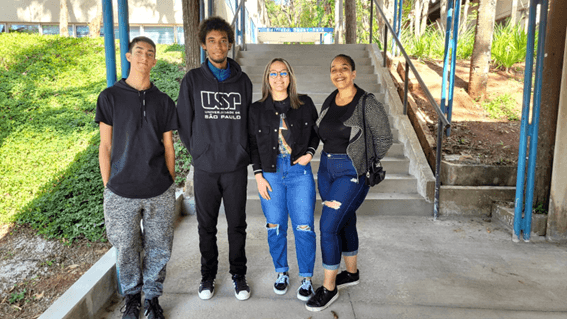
pixel 346 57
pixel 291 88
pixel 141 39
pixel 215 24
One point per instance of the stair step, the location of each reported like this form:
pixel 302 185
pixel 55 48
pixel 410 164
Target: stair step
pixel 301 69
pixel 316 77
pixel 323 55
pixel 386 204
pixel 307 48
pixel 326 86
pixel 318 98
pixel 297 61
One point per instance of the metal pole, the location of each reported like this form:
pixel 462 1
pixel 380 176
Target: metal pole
pixel 385 46
pixel 522 148
pixel 395 24
pixel 454 47
pixel 109 48
pixel 371 19
pixel 124 34
pixel 438 155
pixel 448 25
pixel 533 132
pixel 243 23
pixel 406 89
pixel 201 18
pixel 211 4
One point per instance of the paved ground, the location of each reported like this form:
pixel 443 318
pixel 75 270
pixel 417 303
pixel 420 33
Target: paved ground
pixel 411 267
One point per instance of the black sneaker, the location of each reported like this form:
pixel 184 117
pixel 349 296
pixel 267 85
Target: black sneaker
pixel 131 308
pixel 207 288
pixel 153 309
pixel 322 299
pixel 305 291
pixel 280 287
pixel 346 279
pixel 241 288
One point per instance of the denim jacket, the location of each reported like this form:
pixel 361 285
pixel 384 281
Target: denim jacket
pixel 264 123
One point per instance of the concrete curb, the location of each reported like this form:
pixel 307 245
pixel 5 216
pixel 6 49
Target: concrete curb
pixel 88 295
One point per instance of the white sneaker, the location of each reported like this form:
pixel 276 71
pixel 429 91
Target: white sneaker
pixel 241 288
pixel 206 289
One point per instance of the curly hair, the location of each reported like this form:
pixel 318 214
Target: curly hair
pixel 215 24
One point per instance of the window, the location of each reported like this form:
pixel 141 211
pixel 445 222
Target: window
pixel 180 35
pixel 27 28
pixel 50 29
pixel 2 28
pixel 82 31
pixel 115 32
pixel 134 32
pixel 160 34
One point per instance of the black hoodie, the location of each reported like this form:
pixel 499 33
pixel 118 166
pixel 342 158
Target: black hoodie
pixel 213 118
pixel 138 120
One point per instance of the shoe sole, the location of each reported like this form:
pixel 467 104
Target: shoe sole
pixel 205 297
pixel 241 298
pixel 302 297
pixel 316 309
pixel 348 284
pixel 280 292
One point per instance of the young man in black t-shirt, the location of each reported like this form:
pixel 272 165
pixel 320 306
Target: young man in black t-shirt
pixel 137 164
pixel 213 110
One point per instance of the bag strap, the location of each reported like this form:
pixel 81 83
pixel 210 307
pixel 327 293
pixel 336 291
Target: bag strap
pixel 368 160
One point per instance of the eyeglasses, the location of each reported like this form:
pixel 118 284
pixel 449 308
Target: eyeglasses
pixel 283 74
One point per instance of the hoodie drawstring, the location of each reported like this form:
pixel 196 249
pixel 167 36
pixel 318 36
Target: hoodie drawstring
pixel 143 101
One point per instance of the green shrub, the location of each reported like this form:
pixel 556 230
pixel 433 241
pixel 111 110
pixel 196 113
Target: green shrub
pixel 49 173
pixel 502 107
pixel 509 45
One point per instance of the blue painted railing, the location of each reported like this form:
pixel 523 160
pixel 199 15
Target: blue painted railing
pixel 451 41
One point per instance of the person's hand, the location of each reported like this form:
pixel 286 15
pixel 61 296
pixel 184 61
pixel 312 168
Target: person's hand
pixel 304 160
pixel 263 186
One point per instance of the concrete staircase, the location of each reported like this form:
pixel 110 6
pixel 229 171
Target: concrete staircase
pixel 397 194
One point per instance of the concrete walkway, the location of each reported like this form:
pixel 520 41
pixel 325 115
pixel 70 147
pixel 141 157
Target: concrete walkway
pixel 411 267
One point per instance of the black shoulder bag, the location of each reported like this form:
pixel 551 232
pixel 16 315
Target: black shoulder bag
pixel 374 171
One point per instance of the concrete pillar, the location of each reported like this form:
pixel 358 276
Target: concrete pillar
pixel 557 218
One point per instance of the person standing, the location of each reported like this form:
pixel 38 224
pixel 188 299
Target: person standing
pixel 341 177
pixel 282 143
pixel 213 117
pixel 137 164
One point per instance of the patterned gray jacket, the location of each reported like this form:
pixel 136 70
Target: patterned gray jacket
pixel 377 127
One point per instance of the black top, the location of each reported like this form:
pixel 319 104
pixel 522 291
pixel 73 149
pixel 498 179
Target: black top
pixel 264 125
pixel 138 120
pixel 213 118
pixel 334 134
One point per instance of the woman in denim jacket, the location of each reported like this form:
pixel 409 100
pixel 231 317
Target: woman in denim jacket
pixel 282 144
pixel 341 176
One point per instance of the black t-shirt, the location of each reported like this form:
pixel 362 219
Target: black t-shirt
pixel 138 120
pixel 334 134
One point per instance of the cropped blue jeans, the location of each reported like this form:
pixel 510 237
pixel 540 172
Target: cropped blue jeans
pixel 338 182
pixel 293 193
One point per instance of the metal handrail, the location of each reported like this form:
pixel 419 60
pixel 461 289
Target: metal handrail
pixel 243 24
pixel 443 122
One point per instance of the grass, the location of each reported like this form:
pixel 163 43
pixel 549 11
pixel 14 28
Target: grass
pixel 49 173
pixel 502 107
pixel 509 45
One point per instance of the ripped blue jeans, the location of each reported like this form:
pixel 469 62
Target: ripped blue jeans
pixel 338 183
pixel 293 193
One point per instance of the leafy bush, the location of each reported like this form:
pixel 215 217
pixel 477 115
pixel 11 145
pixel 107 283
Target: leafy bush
pixel 502 107
pixel 431 44
pixel 509 45
pixel 49 173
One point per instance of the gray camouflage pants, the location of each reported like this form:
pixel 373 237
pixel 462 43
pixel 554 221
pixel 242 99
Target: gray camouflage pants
pixel 122 218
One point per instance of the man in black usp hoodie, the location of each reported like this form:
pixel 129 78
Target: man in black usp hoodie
pixel 213 110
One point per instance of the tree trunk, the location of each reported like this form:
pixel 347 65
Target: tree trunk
pixel 480 60
pixel 514 12
pixel 424 17
pixel 190 33
pixel 63 19
pixel 350 21
pixel 464 17
pixel 550 91
pixel 417 17
pixel 444 14
pixel 94 25
pixel 338 21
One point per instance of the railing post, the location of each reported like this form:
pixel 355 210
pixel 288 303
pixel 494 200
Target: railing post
pixel 124 34
pixel 201 18
pixel 406 89
pixel 371 19
pixel 109 48
pixel 385 46
pixel 243 24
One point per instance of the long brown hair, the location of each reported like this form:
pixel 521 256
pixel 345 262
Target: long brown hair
pixel 291 88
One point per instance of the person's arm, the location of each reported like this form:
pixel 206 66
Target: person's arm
pixel 169 153
pixel 377 120
pixel 185 112
pixel 313 138
pixel 104 151
pixel 261 182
